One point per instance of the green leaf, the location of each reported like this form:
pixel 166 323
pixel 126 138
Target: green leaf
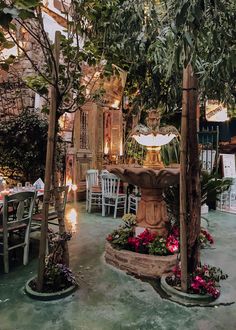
pixel 8 44
pixel 188 38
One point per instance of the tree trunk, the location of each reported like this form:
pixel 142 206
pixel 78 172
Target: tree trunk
pixel 48 171
pixel 58 197
pixel 193 179
pixel 183 175
pixel 190 190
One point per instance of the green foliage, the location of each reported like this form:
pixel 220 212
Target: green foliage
pixel 129 220
pixel 158 247
pixel 67 77
pixel 23 146
pixel 134 151
pixel 38 84
pixel 203 33
pixel 170 153
pixel 212 186
pixel 171 196
pixel 119 237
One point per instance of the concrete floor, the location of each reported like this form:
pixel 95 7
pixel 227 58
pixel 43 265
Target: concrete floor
pixel 108 299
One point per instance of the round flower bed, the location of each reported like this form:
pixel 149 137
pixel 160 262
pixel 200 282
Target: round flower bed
pixel 30 289
pixel 58 280
pixel 146 254
pixel 203 284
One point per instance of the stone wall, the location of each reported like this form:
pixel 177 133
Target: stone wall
pixel 14 94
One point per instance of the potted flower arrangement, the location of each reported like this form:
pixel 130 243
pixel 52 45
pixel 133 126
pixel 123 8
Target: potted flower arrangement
pixel 203 283
pixel 59 280
pixel 205 238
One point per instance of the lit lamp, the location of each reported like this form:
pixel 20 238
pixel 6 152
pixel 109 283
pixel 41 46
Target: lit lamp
pixel 106 149
pixel 153 137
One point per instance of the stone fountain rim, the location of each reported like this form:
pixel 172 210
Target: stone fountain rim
pixel 146 177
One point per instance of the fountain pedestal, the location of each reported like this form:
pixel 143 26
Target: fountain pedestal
pixel 152 212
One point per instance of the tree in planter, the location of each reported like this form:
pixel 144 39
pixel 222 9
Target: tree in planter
pixel 23 146
pixel 189 43
pixel 60 73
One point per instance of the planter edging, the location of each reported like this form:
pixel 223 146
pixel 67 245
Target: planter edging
pixel 139 264
pixel 180 296
pixel 43 296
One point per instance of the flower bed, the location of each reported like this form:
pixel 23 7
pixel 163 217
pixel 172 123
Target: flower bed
pixel 146 255
pixel 204 281
pixel 58 279
pixel 147 242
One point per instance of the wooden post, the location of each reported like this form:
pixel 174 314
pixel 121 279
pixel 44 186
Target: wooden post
pixel 190 192
pixel 48 168
pixel 193 178
pixel 183 175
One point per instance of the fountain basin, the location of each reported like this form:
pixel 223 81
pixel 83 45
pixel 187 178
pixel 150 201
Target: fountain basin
pixel 139 264
pixel 152 211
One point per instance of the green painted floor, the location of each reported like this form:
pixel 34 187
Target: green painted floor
pixel 109 299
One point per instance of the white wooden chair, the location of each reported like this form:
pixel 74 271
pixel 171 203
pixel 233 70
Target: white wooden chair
pixel 93 190
pixel 111 195
pixel 133 201
pixel 17 215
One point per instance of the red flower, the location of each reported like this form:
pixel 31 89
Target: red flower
pixel 172 244
pixel 109 238
pixel 134 241
pixel 142 240
pixel 207 236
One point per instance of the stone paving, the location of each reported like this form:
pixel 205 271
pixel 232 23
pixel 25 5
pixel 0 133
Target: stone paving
pixel 109 299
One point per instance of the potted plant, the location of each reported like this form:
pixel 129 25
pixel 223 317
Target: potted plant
pixel 59 280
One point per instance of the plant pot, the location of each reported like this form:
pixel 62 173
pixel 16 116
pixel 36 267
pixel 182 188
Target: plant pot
pixel 48 296
pixel 184 298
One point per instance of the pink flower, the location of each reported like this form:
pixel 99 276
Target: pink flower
pixel 172 244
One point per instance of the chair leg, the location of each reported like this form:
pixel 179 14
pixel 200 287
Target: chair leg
pixel 87 200
pixel 115 208
pixel 125 204
pixel 90 204
pixel 6 255
pixel 6 262
pixel 103 207
pixel 26 247
pixel 128 209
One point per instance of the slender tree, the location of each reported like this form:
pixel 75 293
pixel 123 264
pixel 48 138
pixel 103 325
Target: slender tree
pixel 60 72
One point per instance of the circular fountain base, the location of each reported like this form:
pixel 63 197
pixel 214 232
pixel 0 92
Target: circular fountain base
pixel 139 264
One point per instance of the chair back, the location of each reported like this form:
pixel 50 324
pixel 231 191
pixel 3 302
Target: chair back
pixel 91 179
pixel 18 209
pixel 110 185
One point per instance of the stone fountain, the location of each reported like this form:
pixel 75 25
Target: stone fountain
pixel 153 178
pixel 152 211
